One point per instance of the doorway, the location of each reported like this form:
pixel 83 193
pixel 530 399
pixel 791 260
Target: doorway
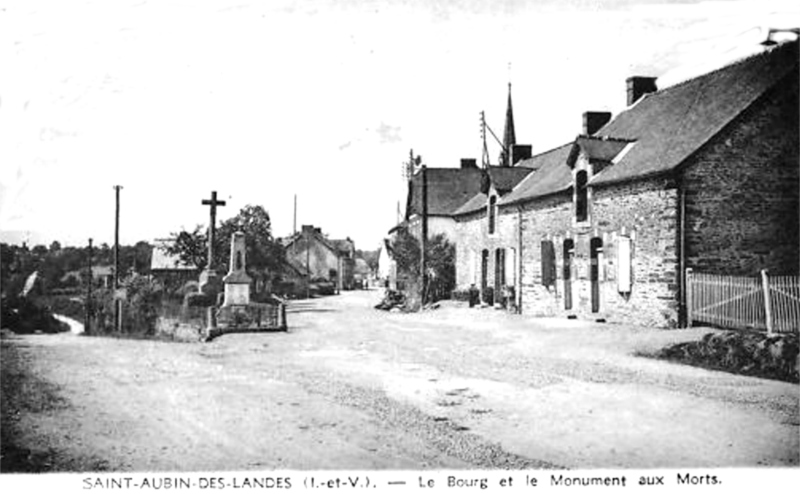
pixel 569 254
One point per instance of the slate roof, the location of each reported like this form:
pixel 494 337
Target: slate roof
pixel 671 124
pixel 450 189
pixel 552 175
pixel 597 149
pixel 342 246
pixel 474 205
pixel 666 127
pixel 337 246
pixel 505 178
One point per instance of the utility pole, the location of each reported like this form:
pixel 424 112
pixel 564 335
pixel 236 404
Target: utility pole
pixel 117 300
pixel 485 153
pixel 424 235
pixel 308 268
pixel 87 320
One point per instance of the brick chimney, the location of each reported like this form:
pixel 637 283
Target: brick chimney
pixel 594 121
pixel 469 163
pixel 520 152
pixel 638 86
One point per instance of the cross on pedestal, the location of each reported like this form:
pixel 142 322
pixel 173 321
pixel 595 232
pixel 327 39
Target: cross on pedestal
pixel 212 226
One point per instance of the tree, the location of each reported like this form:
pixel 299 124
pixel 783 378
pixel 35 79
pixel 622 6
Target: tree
pixel 191 247
pixel 440 257
pixel 370 256
pixel 265 256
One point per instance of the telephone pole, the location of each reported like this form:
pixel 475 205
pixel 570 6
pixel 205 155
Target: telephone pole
pixel 424 235
pixel 117 300
pixel 87 320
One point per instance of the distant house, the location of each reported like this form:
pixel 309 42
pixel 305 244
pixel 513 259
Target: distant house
pixel 701 175
pixel 321 257
pixel 361 273
pixel 102 276
pixel 387 266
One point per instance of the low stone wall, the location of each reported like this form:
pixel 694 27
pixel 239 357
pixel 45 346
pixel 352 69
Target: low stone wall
pixel 174 328
pixel 741 352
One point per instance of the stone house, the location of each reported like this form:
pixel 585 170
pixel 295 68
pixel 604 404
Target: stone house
pixel 387 266
pixel 486 239
pixel 448 189
pixel 323 258
pixel 701 175
pixel 169 269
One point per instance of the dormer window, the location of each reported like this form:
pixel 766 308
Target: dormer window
pixel 492 214
pixel 581 196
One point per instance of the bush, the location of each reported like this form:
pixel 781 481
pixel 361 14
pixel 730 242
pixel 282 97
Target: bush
pixel 139 309
pixel 21 315
pixel 198 299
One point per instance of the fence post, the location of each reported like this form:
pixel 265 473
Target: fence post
pixel 688 295
pixel 767 302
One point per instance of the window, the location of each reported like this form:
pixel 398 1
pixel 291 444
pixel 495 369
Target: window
pixel 548 263
pixel 492 213
pixel 581 196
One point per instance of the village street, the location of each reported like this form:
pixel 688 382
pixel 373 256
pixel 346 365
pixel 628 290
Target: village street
pixel 351 387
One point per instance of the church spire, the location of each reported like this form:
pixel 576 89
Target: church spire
pixel 509 136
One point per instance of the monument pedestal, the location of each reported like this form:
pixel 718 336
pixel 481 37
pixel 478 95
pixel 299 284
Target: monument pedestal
pixel 237 313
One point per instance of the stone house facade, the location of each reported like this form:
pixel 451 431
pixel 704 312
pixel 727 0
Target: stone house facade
pixel 700 175
pixel 487 239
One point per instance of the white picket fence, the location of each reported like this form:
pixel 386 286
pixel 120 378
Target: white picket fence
pixel 769 303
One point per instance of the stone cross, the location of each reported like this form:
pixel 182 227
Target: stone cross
pixel 212 228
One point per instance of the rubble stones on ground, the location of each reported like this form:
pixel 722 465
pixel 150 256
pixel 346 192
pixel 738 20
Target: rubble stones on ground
pixel 392 300
pixel 773 356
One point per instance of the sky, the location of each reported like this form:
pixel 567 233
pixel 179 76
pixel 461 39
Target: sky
pixel 262 101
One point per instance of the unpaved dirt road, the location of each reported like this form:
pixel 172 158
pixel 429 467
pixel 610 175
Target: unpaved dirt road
pixel 350 387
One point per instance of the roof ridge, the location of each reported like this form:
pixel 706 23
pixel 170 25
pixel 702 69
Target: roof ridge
pixel 604 138
pixel 569 143
pixel 764 52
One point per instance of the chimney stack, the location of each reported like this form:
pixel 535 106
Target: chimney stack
pixel 594 121
pixel 520 152
pixel 638 86
pixel 469 163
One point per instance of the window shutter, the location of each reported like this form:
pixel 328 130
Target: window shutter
pixel 473 268
pixel 548 263
pixel 511 267
pixel 624 274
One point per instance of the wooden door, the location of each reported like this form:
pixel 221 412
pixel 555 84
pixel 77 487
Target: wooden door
pixel 595 251
pixel 569 254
